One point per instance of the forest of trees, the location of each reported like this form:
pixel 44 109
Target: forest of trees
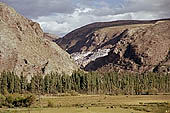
pixel 111 83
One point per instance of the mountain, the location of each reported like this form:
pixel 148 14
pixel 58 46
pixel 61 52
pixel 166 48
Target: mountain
pixel 51 37
pixel 23 49
pixel 125 45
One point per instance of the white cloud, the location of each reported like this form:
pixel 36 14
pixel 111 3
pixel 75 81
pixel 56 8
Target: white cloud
pixel 61 24
pixel 36 8
pixel 62 16
pixel 64 23
pixel 85 14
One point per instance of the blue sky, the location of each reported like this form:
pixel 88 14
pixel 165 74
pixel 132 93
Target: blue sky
pixel 62 16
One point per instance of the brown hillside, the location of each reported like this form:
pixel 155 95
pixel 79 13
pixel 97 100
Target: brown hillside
pixel 24 50
pixel 51 37
pixel 138 46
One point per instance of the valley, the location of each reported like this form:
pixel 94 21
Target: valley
pixel 120 66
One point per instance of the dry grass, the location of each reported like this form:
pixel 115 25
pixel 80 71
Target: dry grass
pixel 78 110
pixel 103 100
pixel 100 104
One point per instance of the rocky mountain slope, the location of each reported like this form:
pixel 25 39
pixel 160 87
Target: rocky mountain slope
pixel 137 46
pixel 51 37
pixel 24 50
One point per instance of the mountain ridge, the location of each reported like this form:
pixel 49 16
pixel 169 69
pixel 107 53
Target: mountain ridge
pixel 136 46
pixel 24 50
pixel 85 30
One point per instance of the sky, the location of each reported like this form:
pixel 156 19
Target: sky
pixel 62 16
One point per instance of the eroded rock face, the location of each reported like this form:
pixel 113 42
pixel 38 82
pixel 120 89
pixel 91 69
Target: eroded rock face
pixel 138 46
pixel 84 58
pixel 24 50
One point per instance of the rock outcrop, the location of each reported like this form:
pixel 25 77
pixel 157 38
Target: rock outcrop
pixel 24 50
pixel 137 46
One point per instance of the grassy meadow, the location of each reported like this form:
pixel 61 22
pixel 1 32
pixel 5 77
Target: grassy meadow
pixel 97 104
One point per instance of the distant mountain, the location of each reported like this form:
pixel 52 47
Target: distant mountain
pixel 23 49
pixel 51 37
pixel 125 45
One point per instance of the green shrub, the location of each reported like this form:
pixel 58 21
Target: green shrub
pixel 73 93
pixel 29 100
pixel 153 91
pixel 10 99
pixel 2 100
pixel 51 104
pixel 118 92
pixel 17 100
pixel 24 101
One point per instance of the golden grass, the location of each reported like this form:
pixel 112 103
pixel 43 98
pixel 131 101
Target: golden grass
pixel 78 110
pixel 103 100
pixel 100 104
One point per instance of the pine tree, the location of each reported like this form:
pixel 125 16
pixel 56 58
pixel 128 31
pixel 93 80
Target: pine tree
pixel 33 85
pixel 4 84
pixel 23 82
pixel 11 82
pixel 17 85
pixel 47 84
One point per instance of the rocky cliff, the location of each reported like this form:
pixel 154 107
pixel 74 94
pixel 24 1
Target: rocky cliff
pixel 24 50
pixel 138 46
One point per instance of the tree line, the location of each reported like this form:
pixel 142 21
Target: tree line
pixel 112 83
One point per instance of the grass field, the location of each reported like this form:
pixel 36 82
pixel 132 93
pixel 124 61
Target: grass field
pixel 77 110
pixel 98 104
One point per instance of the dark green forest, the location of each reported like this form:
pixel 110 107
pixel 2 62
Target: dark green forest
pixel 111 83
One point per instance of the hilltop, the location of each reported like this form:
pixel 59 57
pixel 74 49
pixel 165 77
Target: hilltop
pixel 23 48
pixel 125 45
